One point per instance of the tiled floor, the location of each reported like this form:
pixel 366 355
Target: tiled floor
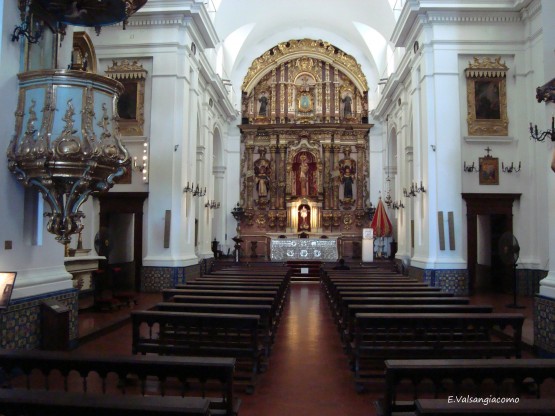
pixel 308 372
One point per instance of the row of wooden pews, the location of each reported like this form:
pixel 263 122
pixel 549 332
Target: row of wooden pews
pixel 227 313
pixel 432 347
pixel 59 383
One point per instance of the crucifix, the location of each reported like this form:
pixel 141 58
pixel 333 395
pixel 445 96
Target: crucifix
pixel 487 149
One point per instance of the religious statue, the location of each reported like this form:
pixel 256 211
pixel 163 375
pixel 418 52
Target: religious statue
pixel 304 171
pixel 347 110
pixel 347 180
pixel 263 100
pixel 262 174
pixel 262 182
pixel 347 172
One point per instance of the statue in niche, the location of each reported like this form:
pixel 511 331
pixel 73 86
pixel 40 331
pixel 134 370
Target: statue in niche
pixel 347 180
pixel 347 108
pixel 262 174
pixel 304 168
pixel 347 172
pixel 263 109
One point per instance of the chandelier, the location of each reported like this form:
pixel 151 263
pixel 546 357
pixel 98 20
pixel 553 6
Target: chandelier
pixel 66 142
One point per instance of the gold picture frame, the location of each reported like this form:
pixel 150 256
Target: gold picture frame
pixel 486 92
pixel 488 170
pixel 131 104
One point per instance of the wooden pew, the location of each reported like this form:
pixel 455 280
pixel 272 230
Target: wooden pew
pixel 339 304
pixel 169 293
pixel 115 373
pixel 382 336
pixel 347 324
pixel 437 407
pixel 281 290
pixel 201 334
pixel 238 300
pixel 267 324
pixel 56 403
pixel 408 380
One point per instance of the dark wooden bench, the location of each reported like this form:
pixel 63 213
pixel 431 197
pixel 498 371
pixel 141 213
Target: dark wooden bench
pixel 169 293
pixel 341 311
pixel 267 323
pixel 56 403
pixel 382 336
pixel 208 377
pixel 347 323
pixel 236 300
pixel 280 290
pixel 201 334
pixel 408 380
pixel 438 407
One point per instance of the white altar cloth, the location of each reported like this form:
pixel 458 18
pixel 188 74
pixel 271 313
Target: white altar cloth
pixel 284 249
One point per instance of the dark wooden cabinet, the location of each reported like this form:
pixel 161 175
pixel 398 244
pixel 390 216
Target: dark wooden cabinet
pixel 54 326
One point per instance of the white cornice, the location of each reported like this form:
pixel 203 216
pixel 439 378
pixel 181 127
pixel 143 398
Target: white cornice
pixel 171 12
pixel 448 11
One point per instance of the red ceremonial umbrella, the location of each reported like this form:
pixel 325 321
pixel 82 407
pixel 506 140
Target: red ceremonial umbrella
pixel 380 223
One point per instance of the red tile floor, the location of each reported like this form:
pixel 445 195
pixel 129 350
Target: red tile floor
pixel 308 372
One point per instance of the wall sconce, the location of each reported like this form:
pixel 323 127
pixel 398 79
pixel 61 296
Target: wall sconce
pixel 510 169
pixel 540 137
pixel 397 205
pixel 196 191
pixel 408 194
pixel 212 204
pixel 28 25
pixel 199 192
pixel 142 168
pixel 469 168
pixel 414 189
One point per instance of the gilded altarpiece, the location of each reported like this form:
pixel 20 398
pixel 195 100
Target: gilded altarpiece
pixel 304 146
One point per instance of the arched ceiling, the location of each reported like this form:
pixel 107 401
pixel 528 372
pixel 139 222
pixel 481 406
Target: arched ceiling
pixel 361 28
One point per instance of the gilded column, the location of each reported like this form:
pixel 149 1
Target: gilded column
pixel 336 94
pixel 327 175
pixel 274 97
pixel 361 151
pixel 273 175
pixel 335 184
pixel 282 106
pixel 250 175
pixel 283 175
pixel 328 99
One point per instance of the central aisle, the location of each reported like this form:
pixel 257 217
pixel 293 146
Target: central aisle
pixel 308 373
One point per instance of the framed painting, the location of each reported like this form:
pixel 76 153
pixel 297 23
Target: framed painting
pixel 489 170
pixel 305 103
pixel 131 103
pixel 7 280
pixel 487 97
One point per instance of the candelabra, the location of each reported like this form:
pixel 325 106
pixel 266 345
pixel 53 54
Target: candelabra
pixel 414 189
pixel 540 137
pixel 29 28
pixel 196 191
pixel 212 204
pixel 469 168
pixel 388 200
pixel 397 205
pixel 510 169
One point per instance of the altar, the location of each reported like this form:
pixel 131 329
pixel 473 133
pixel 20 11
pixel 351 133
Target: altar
pixel 285 249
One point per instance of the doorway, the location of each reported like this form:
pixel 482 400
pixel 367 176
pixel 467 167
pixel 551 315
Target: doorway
pixel 488 217
pixel 121 218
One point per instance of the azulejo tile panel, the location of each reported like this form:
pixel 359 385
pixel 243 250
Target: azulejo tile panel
pixel 449 280
pixel 20 323
pixel 154 279
pixel 544 325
